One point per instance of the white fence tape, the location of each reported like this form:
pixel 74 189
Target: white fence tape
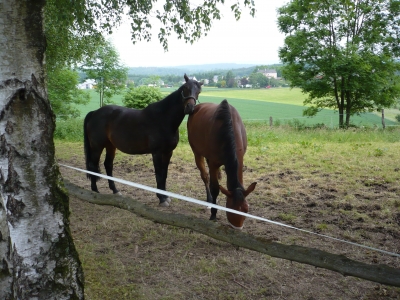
pixel 204 203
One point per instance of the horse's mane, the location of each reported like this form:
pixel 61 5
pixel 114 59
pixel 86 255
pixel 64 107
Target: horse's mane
pixel 227 137
pixel 164 103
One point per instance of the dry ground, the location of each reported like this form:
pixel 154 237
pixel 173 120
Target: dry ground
pixel 127 257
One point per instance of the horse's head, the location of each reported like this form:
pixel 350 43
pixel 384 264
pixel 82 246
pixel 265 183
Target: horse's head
pixel 190 93
pixel 237 200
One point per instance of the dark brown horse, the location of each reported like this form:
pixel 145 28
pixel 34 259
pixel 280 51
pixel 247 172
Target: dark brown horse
pixel 155 130
pixel 216 133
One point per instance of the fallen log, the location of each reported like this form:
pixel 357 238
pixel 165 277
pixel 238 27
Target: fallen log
pixel 338 263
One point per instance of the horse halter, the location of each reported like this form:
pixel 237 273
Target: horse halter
pixel 190 97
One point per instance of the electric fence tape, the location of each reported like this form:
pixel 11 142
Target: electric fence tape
pixel 204 203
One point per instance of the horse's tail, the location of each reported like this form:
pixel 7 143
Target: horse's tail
pixel 227 137
pixel 88 150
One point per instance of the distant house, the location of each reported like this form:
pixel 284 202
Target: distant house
pixel 271 73
pixel 159 83
pixel 215 78
pixel 205 81
pixel 87 84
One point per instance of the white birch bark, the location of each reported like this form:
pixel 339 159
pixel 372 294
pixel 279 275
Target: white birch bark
pixel 39 260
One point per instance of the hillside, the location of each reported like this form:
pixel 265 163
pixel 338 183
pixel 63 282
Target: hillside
pixel 189 69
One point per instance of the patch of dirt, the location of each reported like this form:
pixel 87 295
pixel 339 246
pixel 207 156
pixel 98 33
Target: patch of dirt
pixel 154 261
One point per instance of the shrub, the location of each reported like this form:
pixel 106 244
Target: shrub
pixel 140 97
pixel 69 130
pixel 397 118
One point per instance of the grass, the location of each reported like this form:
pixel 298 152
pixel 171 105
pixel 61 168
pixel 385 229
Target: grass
pixel 284 105
pixel 127 257
pixel 343 182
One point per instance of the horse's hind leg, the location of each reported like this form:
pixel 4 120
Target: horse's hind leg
pixel 93 166
pixel 108 165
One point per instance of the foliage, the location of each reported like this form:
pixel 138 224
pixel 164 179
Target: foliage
pixel 342 53
pixel 221 84
pixel 89 18
pixel 72 32
pixel 258 80
pixel 230 80
pixel 140 97
pixel 69 130
pixel 244 81
pixel 71 38
pixel 397 118
pixel 63 93
pixel 108 72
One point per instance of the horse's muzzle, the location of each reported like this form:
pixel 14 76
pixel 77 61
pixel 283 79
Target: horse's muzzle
pixel 236 221
pixel 189 107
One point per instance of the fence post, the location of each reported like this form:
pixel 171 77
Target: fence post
pixel 270 122
pixel 383 118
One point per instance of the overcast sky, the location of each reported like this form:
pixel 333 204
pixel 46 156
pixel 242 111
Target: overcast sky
pixel 247 41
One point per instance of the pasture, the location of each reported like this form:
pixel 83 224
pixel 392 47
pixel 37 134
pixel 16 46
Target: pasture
pixel 340 183
pixel 285 105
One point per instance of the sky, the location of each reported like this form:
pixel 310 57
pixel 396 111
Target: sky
pixel 247 41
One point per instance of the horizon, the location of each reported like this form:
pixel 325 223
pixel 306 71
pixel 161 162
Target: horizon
pixel 240 65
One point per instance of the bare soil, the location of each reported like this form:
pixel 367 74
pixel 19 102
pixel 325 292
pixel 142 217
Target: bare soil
pixel 127 257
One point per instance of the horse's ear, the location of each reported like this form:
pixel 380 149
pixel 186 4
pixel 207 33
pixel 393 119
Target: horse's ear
pixel 250 189
pixel 201 83
pixel 186 78
pixel 225 191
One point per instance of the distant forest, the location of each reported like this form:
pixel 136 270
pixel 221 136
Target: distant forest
pixel 174 75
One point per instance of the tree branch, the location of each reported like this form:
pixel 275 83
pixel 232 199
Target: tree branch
pixel 338 263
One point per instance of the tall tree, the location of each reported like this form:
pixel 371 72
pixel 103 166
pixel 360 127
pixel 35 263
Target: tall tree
pixel 342 54
pixel 230 80
pixel 106 69
pixel 39 260
pixel 71 39
pixel 258 80
pixel 64 94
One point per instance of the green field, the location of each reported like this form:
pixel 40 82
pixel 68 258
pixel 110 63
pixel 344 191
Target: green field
pixel 284 105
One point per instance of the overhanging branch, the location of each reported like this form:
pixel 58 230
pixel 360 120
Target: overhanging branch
pixel 337 263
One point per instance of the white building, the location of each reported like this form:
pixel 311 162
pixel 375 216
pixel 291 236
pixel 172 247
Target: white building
pixel 269 73
pixel 87 84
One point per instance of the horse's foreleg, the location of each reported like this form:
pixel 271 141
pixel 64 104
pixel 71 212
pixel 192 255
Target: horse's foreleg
pixel 161 162
pixel 204 175
pixel 108 165
pixel 214 189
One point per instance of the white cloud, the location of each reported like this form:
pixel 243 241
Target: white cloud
pixel 249 40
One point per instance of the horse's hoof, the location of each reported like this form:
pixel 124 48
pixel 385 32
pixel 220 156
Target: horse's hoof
pixel 118 193
pixel 164 204
pixel 168 200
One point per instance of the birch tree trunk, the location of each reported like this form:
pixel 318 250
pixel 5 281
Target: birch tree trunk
pixel 39 259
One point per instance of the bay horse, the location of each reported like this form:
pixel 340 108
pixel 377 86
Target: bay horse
pixel 216 133
pixel 154 129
